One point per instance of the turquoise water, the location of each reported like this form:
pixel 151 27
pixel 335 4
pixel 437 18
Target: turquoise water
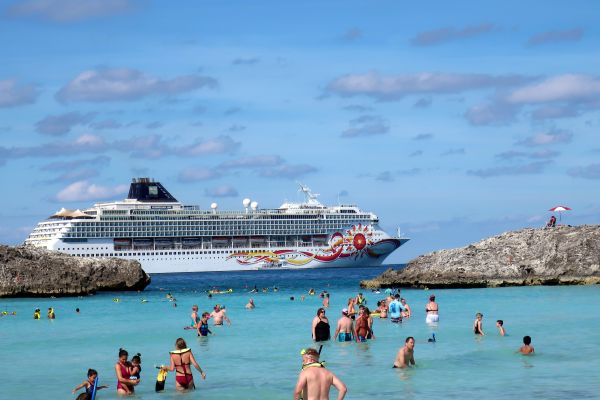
pixel 257 357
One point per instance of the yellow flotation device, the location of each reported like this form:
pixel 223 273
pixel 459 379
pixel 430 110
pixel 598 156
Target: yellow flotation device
pixel 116 300
pixel 320 364
pixel 180 351
pixel 37 315
pixel 375 314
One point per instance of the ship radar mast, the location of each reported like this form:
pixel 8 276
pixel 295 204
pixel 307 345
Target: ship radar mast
pixel 311 198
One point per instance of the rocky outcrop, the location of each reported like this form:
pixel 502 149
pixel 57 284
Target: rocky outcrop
pixel 34 272
pixel 564 255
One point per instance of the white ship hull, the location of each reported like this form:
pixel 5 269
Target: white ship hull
pixel 236 259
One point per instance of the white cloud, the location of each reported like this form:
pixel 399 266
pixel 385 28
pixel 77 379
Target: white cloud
pixel 84 191
pixel 569 35
pixel 443 35
pixel 221 191
pixel 366 125
pixel 68 10
pixel 566 88
pixel 394 87
pixel 253 162
pixel 525 169
pixel 217 145
pixel 547 138
pixel 198 174
pixel 13 94
pixel 62 124
pixel 288 171
pixel 123 84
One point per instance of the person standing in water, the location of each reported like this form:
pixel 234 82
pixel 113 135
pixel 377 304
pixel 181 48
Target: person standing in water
pixel 432 311
pixel 500 326
pixel 477 324
pixel 395 308
pixel 203 329
pixel 315 381
pixel 321 330
pixel 326 300
pixel 351 310
pixel 89 383
pixel 194 317
pixel 125 385
pixel 250 304
pixel 406 355
pixel 344 328
pixel 361 329
pixel 527 348
pixel 181 361
pixel 406 313
pixel 218 315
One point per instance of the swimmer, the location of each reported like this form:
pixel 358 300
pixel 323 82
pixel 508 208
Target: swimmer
pixel 432 311
pixel 477 326
pixel 194 317
pixel 250 304
pixel 125 384
pixel 320 327
pixel 37 314
pixel 351 310
pixel 292 298
pixel 407 312
pixel 367 312
pixel 500 326
pixel 383 309
pixel 362 331
pixel 181 361
pixel 360 300
pixel 311 292
pixel 302 298
pixel 527 348
pixel 406 357
pixel 218 315
pixel 344 328
pixel 51 314
pixel 89 383
pixel 77 310
pixel 396 309
pixel 315 380
pixel 203 325
pixel 135 366
pixel 326 300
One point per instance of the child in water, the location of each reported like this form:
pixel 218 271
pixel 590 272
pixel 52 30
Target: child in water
pixel 203 329
pixel 89 384
pixel 527 348
pixel 135 367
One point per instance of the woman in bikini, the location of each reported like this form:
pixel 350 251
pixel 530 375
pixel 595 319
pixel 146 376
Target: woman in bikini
pixel 181 359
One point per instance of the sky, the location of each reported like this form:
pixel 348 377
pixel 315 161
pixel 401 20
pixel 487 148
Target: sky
pixel 452 121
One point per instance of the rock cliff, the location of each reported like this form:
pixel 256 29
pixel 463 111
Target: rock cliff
pixel 563 255
pixel 31 272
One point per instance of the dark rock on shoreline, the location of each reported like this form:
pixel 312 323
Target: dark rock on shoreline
pixel 35 272
pixel 565 255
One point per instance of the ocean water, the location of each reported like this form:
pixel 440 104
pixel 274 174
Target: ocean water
pixel 257 357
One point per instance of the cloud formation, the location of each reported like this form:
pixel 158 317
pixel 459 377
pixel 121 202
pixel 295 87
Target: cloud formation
pixel 591 171
pixel 525 169
pixel 68 10
pixel 513 154
pixel 394 87
pixel 221 191
pixel 366 125
pixel 453 152
pixel 123 84
pixel 196 174
pixel 569 35
pixel 547 138
pixel 253 162
pixel 245 61
pixel 13 94
pixel 62 124
pixel 106 124
pixel 444 35
pixel 422 136
pixel 288 171
pixel 85 191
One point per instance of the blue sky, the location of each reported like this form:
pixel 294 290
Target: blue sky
pixel 451 120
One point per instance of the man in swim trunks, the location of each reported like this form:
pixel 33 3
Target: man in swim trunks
pixel 344 328
pixel 218 315
pixel 406 356
pixel 315 381
pixel 362 330
pixel 396 309
pixel 250 304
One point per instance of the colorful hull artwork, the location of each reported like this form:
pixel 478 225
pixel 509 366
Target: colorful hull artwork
pixel 356 243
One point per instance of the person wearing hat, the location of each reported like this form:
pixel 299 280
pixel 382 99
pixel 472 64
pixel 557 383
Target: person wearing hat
pixel 344 328
pixel 315 381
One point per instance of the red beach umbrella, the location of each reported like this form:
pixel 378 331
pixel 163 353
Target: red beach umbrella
pixel 559 209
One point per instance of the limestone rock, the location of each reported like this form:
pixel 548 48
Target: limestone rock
pixel 556 256
pixel 27 271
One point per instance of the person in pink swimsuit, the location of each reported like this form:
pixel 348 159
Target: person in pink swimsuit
pixel 125 385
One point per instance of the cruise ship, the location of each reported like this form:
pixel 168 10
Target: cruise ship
pixel 164 235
